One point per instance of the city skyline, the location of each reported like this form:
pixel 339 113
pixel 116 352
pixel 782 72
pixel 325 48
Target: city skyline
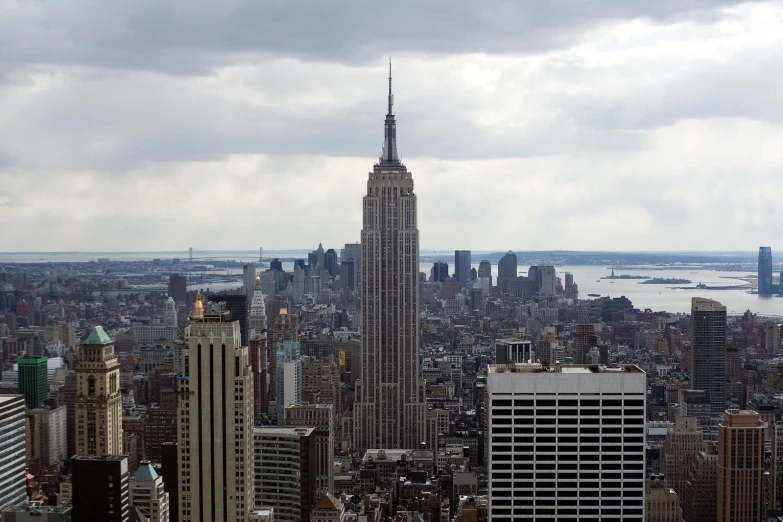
pixel 563 117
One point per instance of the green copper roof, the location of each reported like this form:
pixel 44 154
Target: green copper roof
pixel 98 336
pixel 145 473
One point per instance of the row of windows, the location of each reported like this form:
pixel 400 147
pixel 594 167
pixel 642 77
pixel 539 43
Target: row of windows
pixel 565 439
pixel 563 412
pixel 564 475
pixel 582 502
pixel 571 402
pixel 560 429
pixel 583 448
pixel 561 465
pixel 547 489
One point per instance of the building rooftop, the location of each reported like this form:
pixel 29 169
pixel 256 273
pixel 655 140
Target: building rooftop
pixel 145 473
pixel 567 369
pixel 98 336
pixel 272 430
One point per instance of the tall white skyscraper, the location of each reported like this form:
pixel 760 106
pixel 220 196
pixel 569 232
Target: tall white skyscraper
pixel 566 444
pixel 257 312
pixel 390 404
pixel 147 494
pixel 215 419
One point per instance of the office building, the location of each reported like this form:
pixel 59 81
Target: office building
pixel 661 503
pixel 682 445
pixel 507 273
pixel 33 380
pixel 322 418
pixel 765 271
pixel 98 407
pixel 485 271
pixel 328 509
pixel 545 279
pixel 708 351
pixel 514 351
pixel 566 444
pixel 50 427
pixel 257 313
pixel 348 274
pixel 462 260
pixel 248 281
pixel 330 262
pixel 169 471
pixel 147 494
pixel 237 306
pixel 439 271
pixel 284 468
pixel 178 287
pixel 170 313
pixel 100 488
pixel 390 399
pixel 215 419
pixel 740 467
pixel 289 375
pixel 353 252
pixel 321 380
pixel 12 458
pixel 700 499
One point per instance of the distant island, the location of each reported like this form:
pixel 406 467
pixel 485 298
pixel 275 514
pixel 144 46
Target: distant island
pixel 666 281
pixel 624 276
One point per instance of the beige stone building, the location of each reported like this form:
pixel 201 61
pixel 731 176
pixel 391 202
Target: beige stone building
pixel 740 467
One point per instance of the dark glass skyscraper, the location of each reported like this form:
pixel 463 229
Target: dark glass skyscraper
pixel 462 260
pixel 708 347
pixel 33 380
pixel 765 270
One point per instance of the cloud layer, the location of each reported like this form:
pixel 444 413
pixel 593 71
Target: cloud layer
pixel 529 125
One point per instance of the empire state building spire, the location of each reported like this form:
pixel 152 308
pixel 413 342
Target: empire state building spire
pixel 390 130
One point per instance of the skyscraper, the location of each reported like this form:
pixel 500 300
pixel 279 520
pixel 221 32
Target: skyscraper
pixel 462 260
pixel 170 313
pixel 507 272
pixel 390 404
pixel 439 272
pixel 485 270
pixel 740 467
pixel 33 380
pixel 98 397
pixel 12 464
pixel 148 495
pixel 215 421
pixel 178 287
pixel 320 417
pixel 100 488
pixel 289 375
pixel 765 270
pixel 248 280
pixel 566 445
pixel 353 251
pixel 257 319
pixel 708 347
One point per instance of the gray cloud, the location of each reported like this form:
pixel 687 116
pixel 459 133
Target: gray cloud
pixel 192 37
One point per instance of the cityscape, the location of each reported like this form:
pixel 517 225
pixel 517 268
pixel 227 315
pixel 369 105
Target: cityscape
pixel 632 374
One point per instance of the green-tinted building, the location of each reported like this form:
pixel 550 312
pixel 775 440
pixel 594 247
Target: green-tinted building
pixel 33 380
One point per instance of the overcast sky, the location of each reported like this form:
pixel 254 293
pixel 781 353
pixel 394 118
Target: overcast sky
pixel 536 124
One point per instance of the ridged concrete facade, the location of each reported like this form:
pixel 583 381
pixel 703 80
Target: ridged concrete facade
pixel 390 404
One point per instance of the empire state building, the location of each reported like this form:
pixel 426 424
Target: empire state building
pixel 389 411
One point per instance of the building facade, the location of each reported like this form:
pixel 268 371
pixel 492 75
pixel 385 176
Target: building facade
pixel 566 444
pixel 12 458
pixel 322 418
pixel 33 380
pixel 148 495
pixel 740 467
pixel 215 422
pixel 462 260
pixel 100 488
pixel 390 403
pixel 708 351
pixel 285 471
pixel 98 397
pixel 765 271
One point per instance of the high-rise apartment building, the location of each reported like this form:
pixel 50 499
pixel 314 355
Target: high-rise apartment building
pixel 12 456
pixel 98 398
pixel 566 444
pixel 148 495
pixel 765 271
pixel 682 445
pixel 100 488
pixel 322 418
pixel 33 380
pixel 740 467
pixel 708 351
pixel 285 469
pixel 215 419
pixel 390 403
pixel 462 260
